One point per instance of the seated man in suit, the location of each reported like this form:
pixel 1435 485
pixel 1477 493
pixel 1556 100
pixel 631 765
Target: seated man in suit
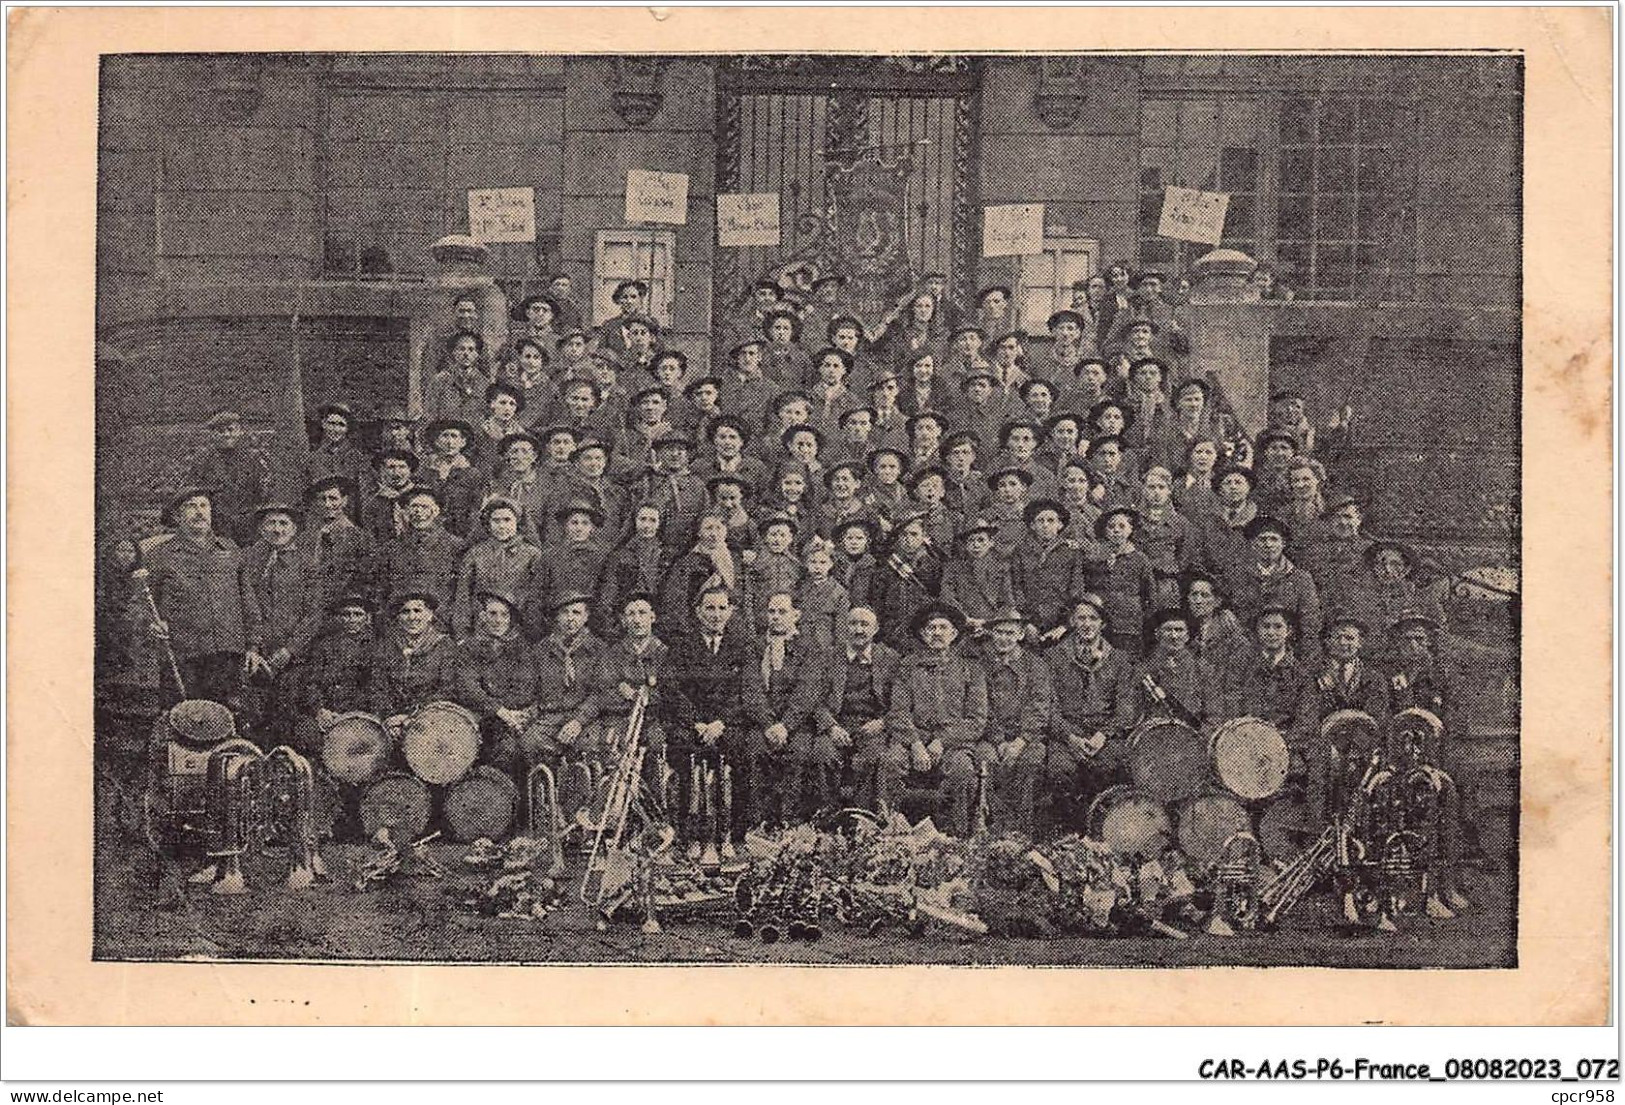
pixel 851 718
pixel 781 693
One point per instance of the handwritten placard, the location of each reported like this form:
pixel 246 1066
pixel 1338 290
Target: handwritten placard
pixel 502 214
pixel 1193 216
pixel 1013 230
pixel 656 197
pixel 748 219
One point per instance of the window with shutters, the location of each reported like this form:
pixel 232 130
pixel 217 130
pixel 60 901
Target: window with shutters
pixel 1046 279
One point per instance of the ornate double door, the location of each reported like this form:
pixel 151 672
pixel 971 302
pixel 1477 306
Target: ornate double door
pixel 873 160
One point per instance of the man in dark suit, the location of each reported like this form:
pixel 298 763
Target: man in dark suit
pixel 781 693
pixel 704 701
pixel 851 717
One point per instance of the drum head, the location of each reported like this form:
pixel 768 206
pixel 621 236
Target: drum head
pixel 1168 760
pixel 399 803
pixel 1283 828
pixel 356 748
pixel 1251 757
pixel 1207 822
pixel 1130 822
pixel 481 803
pixel 441 742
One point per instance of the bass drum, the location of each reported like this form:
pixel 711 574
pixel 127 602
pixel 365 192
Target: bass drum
pixel 1207 823
pixel 1130 822
pixel 356 748
pixel 1251 757
pixel 441 742
pixel 398 802
pixel 1284 830
pixel 1168 760
pixel 480 804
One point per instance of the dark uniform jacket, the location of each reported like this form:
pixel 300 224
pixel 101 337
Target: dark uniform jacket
pixel 857 576
pixel 1127 583
pixel 1045 580
pixel 407 675
pixel 621 663
pixel 378 514
pixel 1020 696
pixel 421 560
pixel 496 672
pixel 288 593
pixel 204 594
pixel 507 567
pixel 899 589
pixel 979 586
pixel 1356 686
pixel 1189 686
pixel 337 675
pixel 702 686
pixel 1095 689
pixel 462 489
pixel 635 566
pixel 567 678
pixel 789 693
pixel 938 696
pixel 1288 587
pixel 1280 693
pixel 344 558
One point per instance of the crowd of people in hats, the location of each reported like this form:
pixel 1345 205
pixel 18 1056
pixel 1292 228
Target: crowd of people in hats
pixel 847 564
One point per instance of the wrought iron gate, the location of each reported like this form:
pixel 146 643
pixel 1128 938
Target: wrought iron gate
pixel 832 136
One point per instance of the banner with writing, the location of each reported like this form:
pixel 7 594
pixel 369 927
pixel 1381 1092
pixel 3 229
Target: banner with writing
pixel 1013 230
pixel 502 214
pixel 656 197
pixel 748 219
pixel 1193 216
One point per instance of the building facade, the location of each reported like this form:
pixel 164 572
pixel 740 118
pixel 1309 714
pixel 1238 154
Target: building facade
pixel 265 222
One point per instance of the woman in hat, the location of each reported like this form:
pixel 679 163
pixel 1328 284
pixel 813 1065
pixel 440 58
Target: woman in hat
pixel 634 566
pixel 1037 401
pixel 450 471
pixel 527 374
pixel 1078 498
pixel 415 663
pixel 922 393
pixel 503 561
pixel 701 407
pixel 497 675
pixel 504 402
pixel 333 448
pixel 783 360
pixel 1165 536
pixel 1122 575
pixel 457 390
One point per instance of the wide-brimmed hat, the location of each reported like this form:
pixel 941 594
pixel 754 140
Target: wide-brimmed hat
pixel 1112 512
pixel 931 611
pixel 167 515
pixel 1037 506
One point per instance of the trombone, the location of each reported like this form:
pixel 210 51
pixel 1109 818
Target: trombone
pixel 607 873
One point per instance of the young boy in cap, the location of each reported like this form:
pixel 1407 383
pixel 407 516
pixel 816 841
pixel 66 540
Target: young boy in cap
pixel 236 473
pixel 452 474
pixel 974 580
pixel 205 602
pixel 424 558
pixel 939 711
pixel 1271 682
pixel 1018 441
pixel 965 353
pixel 1122 576
pixel 1007 507
pixel 496 673
pixel 573 563
pixel 925 439
pixel 855 564
pixel 629 296
pixel 821 598
pixel 854 437
pixel 502 562
pixel 1273 580
pixel 929 488
pixel 1020 706
pixel 1096 699
pixel 634 452
pixel 774 568
pixel 1046 572
pixel 342 554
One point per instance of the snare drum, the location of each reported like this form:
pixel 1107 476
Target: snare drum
pixel 480 804
pixel 1168 760
pixel 1251 757
pixel 1130 822
pixel 1206 824
pixel 356 748
pixel 441 742
pixel 398 802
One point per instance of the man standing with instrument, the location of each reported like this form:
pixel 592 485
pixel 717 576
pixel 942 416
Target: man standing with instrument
pixel 202 605
pixel 1095 708
pixel 705 708
pixel 781 693
pixel 939 712
pixel 1020 701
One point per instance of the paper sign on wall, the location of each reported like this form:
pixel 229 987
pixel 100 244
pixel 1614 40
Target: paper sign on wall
pixel 656 197
pixel 502 214
pixel 1013 230
pixel 1193 216
pixel 748 219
